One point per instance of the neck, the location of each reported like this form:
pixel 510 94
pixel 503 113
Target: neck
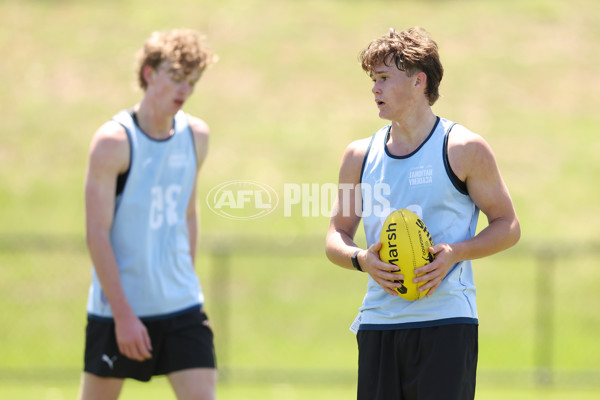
pixel 407 135
pixel 154 123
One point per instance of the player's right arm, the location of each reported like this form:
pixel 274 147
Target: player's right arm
pixel 109 157
pixel 339 243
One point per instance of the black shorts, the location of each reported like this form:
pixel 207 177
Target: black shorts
pixel 418 364
pixel 180 342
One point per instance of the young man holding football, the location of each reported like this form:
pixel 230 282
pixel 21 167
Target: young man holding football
pixel 427 348
pixel 145 314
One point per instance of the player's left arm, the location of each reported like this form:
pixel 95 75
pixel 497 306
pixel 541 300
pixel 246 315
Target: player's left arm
pixel 200 132
pixel 473 161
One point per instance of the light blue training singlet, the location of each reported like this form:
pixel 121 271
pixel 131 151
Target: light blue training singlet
pixel 149 234
pixel 423 183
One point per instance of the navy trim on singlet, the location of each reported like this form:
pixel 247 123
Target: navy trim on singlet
pixel 437 121
pixel 189 128
pixel 194 308
pixel 121 181
pixel 364 163
pixel 122 178
pixel 458 184
pixel 135 121
pixel 420 324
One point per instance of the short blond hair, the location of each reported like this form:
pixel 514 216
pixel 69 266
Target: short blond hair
pixel 412 51
pixel 183 48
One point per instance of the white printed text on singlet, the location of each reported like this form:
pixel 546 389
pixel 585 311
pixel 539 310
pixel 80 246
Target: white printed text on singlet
pixel 163 207
pixel 420 175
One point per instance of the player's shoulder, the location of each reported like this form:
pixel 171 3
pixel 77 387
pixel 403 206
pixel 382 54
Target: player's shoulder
pixel 198 126
pixel 468 152
pixel 110 134
pixel 352 160
pixel 110 146
pixel 357 149
pixel 465 141
pixel 201 132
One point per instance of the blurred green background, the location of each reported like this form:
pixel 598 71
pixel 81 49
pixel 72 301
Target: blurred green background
pixel 284 100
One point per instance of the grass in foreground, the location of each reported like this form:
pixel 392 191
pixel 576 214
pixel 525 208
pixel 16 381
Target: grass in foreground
pixel 160 389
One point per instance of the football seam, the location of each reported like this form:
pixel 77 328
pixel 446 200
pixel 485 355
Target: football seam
pixel 412 249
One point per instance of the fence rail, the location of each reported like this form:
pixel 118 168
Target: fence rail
pixel 222 250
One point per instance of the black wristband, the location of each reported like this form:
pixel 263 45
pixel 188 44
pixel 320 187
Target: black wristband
pixel 355 263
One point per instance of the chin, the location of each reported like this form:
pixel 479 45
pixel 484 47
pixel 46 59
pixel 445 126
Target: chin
pixel 383 115
pixel 175 108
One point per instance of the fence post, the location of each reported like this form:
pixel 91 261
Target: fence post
pixel 544 335
pixel 220 302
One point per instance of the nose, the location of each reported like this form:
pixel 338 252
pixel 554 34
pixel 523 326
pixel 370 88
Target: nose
pixel 375 88
pixel 185 89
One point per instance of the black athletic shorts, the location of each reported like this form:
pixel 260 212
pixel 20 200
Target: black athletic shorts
pixel 181 342
pixel 437 363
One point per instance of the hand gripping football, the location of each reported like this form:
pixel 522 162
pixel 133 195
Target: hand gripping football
pixel 405 242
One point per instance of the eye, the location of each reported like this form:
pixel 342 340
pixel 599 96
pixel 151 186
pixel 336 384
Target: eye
pixel 176 76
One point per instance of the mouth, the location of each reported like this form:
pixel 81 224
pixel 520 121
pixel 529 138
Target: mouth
pixel 178 102
pixel 380 103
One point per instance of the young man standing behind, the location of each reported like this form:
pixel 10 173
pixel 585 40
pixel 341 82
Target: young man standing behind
pixel 145 314
pixel 424 349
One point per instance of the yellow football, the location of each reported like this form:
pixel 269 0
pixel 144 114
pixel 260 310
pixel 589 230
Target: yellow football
pixel 405 242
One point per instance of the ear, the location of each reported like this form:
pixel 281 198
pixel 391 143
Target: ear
pixel 420 79
pixel 148 73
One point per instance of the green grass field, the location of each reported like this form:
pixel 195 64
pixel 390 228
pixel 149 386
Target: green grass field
pixel 285 98
pixel 159 389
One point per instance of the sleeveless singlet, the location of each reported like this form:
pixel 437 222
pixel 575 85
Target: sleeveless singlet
pixel 149 233
pixel 424 183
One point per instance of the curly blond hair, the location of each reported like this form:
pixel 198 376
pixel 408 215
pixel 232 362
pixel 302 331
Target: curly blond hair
pixel 412 51
pixel 184 49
